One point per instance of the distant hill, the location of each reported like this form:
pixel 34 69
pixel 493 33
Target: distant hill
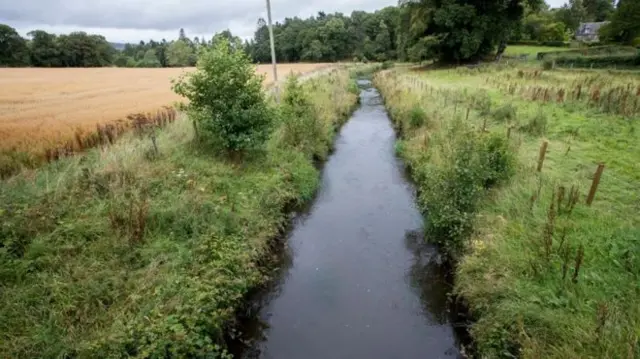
pixel 117 45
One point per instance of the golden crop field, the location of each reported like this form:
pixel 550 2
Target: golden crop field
pixel 43 108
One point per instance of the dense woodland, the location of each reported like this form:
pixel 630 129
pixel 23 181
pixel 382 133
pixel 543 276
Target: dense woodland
pixel 445 30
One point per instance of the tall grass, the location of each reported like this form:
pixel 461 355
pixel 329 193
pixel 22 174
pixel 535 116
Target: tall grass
pixel 118 253
pixel 545 275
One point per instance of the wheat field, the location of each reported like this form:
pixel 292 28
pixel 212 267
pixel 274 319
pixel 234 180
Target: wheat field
pixel 43 108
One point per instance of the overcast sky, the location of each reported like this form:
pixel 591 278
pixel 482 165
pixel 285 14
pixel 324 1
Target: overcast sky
pixel 135 20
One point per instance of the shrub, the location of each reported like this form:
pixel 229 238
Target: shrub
pixel 451 189
pixel 482 103
pixel 548 64
pixel 226 99
pixel 417 117
pixel 506 113
pixel 121 61
pixel 460 164
pixel 498 159
pixel 537 125
pixel 301 128
pixel 387 65
pixel 353 88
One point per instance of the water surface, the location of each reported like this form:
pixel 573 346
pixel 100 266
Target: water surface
pixel 360 283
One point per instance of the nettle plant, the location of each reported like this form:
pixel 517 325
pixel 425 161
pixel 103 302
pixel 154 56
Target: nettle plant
pixel 226 100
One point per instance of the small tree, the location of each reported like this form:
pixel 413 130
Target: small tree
pixel 150 59
pixel 179 54
pixel 625 23
pixel 226 100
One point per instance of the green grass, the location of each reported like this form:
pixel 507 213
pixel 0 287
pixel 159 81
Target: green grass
pixel 532 51
pixel 120 253
pixel 511 270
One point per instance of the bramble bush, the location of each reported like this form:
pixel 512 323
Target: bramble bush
pixel 226 100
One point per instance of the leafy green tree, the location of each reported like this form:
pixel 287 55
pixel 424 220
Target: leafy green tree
pixel 334 37
pixel 554 31
pixel 79 49
pixel 121 60
pixel 542 26
pixel 383 43
pixel 226 99
pixel 13 48
pixel 314 52
pixel 625 23
pixel 234 41
pixel 131 62
pixel 161 53
pixel 179 54
pixel 463 30
pixel 572 14
pixel 43 50
pixel 599 10
pixel 260 49
pixel 150 59
pixel 368 49
pixel 330 37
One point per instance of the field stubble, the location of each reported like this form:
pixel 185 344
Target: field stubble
pixel 42 109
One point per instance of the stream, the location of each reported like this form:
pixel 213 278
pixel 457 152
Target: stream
pixel 359 282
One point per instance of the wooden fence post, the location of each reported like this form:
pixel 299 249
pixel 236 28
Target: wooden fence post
pixel 595 183
pixel 542 155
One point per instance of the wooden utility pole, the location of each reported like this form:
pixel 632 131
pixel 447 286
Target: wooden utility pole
pixel 273 52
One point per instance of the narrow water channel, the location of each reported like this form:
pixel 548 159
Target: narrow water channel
pixel 360 283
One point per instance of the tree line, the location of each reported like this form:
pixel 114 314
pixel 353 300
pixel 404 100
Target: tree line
pixel 415 30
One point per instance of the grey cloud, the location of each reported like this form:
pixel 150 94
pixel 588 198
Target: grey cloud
pixel 198 15
pixel 122 19
pixel 137 14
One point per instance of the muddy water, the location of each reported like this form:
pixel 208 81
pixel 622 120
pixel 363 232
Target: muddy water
pixel 360 283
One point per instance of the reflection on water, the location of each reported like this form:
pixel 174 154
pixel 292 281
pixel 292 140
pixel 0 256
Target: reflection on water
pixel 430 278
pixel 357 280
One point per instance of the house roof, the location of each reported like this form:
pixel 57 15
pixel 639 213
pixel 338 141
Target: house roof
pixel 590 28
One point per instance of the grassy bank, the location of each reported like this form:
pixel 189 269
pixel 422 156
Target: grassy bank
pixel 128 252
pixel 544 274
